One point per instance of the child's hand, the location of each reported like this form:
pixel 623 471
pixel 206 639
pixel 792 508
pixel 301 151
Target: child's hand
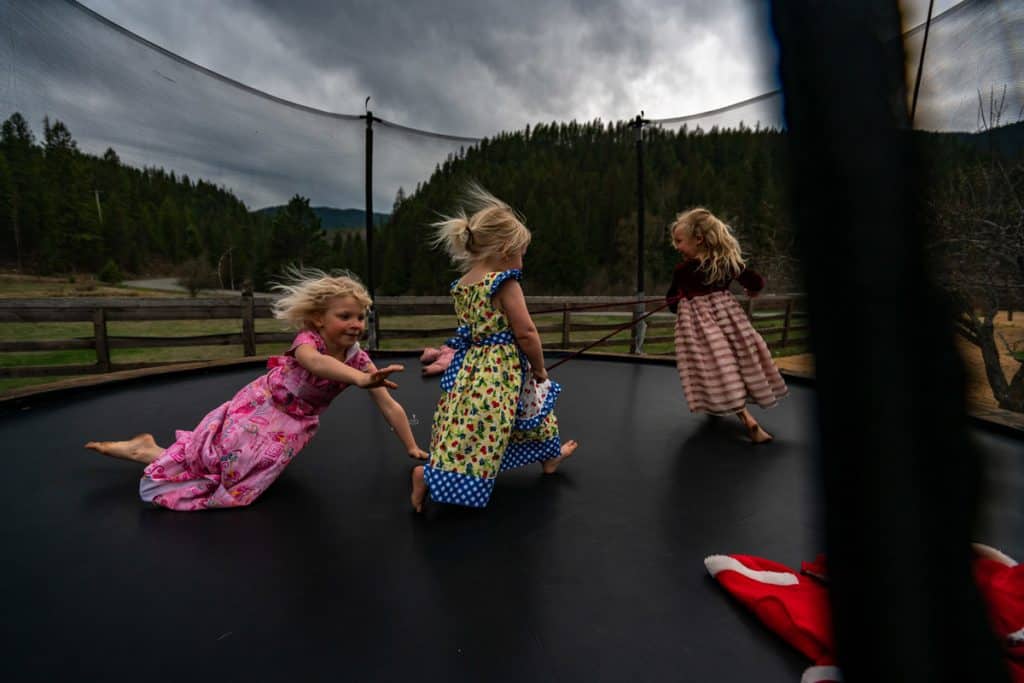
pixel 379 378
pixel 418 453
pixel 751 293
pixel 539 373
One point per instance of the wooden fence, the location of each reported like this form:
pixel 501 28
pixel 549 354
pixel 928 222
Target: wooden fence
pixel 781 320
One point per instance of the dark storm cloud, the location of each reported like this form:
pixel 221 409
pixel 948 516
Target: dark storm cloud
pixel 465 64
pixel 562 61
pixel 472 68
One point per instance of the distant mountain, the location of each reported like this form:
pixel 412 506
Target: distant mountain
pixel 1007 140
pixel 335 219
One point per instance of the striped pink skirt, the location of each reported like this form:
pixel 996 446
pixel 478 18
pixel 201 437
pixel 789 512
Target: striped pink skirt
pixel 723 362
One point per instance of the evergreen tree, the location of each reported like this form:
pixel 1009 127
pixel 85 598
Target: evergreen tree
pixel 297 237
pixel 10 239
pixel 574 182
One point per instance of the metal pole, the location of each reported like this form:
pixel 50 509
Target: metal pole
pixel 641 327
pixel 920 62
pixel 371 324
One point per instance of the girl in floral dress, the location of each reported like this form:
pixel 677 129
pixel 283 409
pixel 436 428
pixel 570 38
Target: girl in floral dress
pixel 496 408
pixel 240 448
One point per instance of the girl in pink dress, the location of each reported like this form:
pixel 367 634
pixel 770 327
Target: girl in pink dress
pixel 241 447
pixel 723 362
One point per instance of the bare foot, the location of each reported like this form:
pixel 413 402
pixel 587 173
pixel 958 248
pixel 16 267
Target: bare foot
pixel 419 489
pixel 568 448
pixel 141 448
pixel 758 434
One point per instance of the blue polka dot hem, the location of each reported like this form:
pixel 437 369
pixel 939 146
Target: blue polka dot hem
pixel 528 452
pixel 457 489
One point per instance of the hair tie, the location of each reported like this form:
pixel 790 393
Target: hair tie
pixel 469 235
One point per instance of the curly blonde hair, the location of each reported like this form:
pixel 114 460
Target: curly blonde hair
pixel 307 291
pixel 721 257
pixel 491 228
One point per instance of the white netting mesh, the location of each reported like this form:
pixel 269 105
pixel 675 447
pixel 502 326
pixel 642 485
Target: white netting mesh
pixel 975 47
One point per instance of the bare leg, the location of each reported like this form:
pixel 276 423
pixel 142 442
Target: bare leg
pixel 419 489
pixel 757 433
pixel 141 448
pixel 549 466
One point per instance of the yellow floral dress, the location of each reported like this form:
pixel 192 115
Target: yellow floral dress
pixel 492 415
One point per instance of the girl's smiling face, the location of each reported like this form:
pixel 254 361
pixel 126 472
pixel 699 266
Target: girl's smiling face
pixel 341 324
pixel 686 244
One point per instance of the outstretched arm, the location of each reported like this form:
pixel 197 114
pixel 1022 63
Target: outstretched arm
pixel 331 368
pixel 395 415
pixel 511 301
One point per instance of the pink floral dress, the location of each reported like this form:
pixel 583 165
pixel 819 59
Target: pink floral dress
pixel 241 447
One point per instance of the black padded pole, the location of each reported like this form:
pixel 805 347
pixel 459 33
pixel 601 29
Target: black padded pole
pixel 900 477
pixel 372 322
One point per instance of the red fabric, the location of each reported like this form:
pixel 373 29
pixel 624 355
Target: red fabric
pixel 801 614
pixel 818 568
pixel 798 613
pixel 1002 587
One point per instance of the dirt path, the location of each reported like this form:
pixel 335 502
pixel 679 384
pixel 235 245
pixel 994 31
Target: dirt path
pixel 171 284
pixel 979 394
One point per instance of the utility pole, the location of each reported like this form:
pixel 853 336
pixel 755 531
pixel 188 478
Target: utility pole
pixel 372 322
pixel 920 63
pixel 637 344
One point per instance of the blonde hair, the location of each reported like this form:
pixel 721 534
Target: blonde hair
pixel 721 257
pixel 492 228
pixel 307 291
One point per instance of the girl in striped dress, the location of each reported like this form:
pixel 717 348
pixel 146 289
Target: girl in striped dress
pixel 723 362
pixel 496 407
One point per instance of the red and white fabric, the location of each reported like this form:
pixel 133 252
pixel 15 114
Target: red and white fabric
pixel 793 606
pixel 1001 581
pixel 796 607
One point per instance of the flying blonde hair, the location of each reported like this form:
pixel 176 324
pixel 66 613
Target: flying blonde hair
pixel 722 257
pixel 491 228
pixel 306 292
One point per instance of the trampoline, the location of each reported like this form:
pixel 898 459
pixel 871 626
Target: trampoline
pixel 594 573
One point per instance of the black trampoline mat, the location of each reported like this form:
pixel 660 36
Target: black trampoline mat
pixel 593 574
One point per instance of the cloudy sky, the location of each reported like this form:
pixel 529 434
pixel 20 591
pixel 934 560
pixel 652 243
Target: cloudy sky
pixel 470 67
pixel 461 67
